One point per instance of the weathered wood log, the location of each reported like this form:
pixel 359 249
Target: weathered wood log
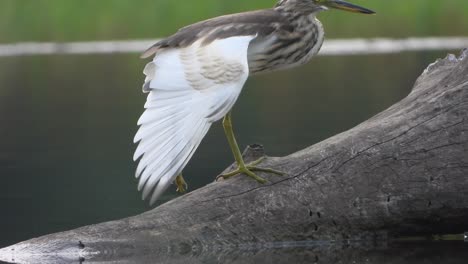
pixel 404 171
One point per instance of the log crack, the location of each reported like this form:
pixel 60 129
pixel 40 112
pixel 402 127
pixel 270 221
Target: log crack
pixel 359 153
pixel 305 171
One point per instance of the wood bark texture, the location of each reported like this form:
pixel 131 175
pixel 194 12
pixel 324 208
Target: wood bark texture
pixel 404 171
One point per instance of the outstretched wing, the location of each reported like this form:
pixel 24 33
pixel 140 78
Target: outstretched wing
pixel 189 89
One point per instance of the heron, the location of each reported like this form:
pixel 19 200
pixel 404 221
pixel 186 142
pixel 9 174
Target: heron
pixel 197 74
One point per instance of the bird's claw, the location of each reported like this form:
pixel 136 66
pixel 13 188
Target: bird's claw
pixel 182 186
pixel 248 170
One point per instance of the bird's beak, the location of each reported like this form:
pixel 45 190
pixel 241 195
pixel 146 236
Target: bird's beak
pixel 342 5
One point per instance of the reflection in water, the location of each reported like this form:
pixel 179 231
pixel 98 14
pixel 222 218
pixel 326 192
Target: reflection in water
pixel 428 253
pixel 296 253
pixel 409 253
pixel 330 47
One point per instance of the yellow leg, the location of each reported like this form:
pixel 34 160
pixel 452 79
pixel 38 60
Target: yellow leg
pixel 242 167
pixel 181 184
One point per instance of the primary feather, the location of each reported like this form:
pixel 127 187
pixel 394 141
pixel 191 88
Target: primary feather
pixel 189 89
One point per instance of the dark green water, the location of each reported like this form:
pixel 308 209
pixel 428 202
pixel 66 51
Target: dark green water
pixel 67 124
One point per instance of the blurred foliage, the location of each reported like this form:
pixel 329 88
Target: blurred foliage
pixel 73 20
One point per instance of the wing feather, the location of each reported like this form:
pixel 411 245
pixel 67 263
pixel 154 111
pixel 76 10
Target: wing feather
pixel 189 89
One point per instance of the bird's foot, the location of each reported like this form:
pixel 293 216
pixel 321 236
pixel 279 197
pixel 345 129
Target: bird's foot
pixel 248 169
pixel 182 186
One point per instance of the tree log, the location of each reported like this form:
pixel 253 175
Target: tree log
pixel 402 172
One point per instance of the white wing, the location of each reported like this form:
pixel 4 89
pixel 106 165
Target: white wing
pixel 189 89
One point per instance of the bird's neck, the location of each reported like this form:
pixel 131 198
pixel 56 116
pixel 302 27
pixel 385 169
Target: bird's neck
pixel 297 7
pixel 300 18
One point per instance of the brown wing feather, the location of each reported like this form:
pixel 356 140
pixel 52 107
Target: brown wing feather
pixel 260 22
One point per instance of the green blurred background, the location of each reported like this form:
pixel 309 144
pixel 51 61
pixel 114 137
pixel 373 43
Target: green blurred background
pixel 71 20
pixel 67 122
